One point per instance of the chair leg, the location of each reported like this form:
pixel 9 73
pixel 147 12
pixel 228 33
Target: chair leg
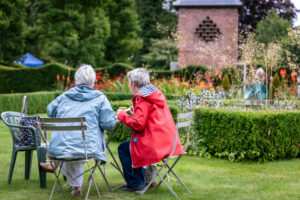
pixel 56 181
pixel 179 180
pixel 104 177
pixel 168 186
pixel 12 165
pixel 41 156
pixel 92 170
pixel 169 170
pixel 28 161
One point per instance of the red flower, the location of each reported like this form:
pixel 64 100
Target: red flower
pixel 283 73
pixel 63 77
pixel 219 74
pixel 68 79
pixel 57 77
pixel 293 76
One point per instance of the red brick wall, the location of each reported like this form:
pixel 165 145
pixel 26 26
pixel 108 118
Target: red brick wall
pixel 222 51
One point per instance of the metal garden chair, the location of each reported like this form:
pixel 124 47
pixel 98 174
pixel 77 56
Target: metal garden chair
pixel 49 124
pixel 11 120
pixel 184 120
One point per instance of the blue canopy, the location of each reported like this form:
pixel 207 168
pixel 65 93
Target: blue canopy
pixel 29 61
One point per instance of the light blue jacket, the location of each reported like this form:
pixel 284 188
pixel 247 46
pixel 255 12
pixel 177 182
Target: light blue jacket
pixel 81 101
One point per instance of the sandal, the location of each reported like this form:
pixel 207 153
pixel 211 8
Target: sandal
pixel 47 167
pixel 77 191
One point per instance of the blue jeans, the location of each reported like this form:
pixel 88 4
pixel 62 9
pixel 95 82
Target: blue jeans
pixel 133 176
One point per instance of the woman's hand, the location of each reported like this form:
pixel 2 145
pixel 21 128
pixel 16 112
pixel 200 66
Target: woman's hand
pixel 131 110
pixel 118 111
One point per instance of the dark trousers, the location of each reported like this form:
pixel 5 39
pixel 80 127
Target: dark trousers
pixel 133 176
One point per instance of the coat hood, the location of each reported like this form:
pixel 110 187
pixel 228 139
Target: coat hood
pixel 83 93
pixel 152 94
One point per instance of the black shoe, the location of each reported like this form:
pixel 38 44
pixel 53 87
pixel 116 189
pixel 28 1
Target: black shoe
pixel 123 186
pixel 137 189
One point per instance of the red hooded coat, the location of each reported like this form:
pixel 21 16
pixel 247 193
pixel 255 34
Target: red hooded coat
pixel 153 128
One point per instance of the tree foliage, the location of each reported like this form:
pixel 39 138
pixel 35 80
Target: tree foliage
pixel 12 42
pixel 256 10
pixel 124 40
pixel 273 28
pixel 151 13
pixel 74 31
pixel 161 53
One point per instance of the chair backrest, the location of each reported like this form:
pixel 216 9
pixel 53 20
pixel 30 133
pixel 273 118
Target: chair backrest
pixel 184 120
pixel 50 124
pixel 12 121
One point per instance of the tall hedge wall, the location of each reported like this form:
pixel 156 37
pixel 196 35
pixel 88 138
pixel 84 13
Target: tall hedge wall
pixel 247 135
pixel 29 79
pixel 32 79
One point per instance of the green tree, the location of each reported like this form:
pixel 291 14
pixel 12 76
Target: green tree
pixel 124 41
pixel 12 42
pixel 32 32
pixel 75 31
pixel 161 53
pixel 151 13
pixel 273 28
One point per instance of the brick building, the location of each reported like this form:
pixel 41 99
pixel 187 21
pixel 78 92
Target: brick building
pixel 208 32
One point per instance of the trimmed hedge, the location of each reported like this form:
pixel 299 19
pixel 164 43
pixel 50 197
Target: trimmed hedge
pixel 38 101
pixel 115 69
pixel 30 79
pixel 246 135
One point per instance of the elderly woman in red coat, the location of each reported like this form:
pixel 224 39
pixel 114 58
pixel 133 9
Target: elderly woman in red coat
pixel 153 130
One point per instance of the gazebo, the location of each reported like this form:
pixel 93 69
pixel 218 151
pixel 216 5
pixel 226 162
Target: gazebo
pixel 29 61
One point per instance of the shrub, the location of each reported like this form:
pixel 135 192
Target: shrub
pixel 29 79
pixel 115 69
pixel 246 135
pixel 226 84
pixel 276 84
pixel 37 102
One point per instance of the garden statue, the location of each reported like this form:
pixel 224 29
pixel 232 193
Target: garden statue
pixel 257 90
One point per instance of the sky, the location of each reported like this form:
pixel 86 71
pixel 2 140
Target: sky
pixel 297 5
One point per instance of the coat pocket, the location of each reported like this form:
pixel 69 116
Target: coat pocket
pixel 142 149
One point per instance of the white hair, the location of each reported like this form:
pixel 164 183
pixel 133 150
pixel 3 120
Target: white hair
pixel 259 70
pixel 85 75
pixel 139 76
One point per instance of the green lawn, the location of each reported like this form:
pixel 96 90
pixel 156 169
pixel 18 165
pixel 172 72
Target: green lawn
pixel 207 179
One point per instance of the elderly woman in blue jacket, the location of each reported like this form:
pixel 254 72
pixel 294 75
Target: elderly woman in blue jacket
pixel 80 101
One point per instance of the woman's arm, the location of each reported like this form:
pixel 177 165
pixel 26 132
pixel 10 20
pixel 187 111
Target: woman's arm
pixel 139 120
pixel 107 119
pixel 52 107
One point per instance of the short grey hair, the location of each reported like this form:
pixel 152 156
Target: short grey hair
pixel 140 76
pixel 259 70
pixel 85 75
